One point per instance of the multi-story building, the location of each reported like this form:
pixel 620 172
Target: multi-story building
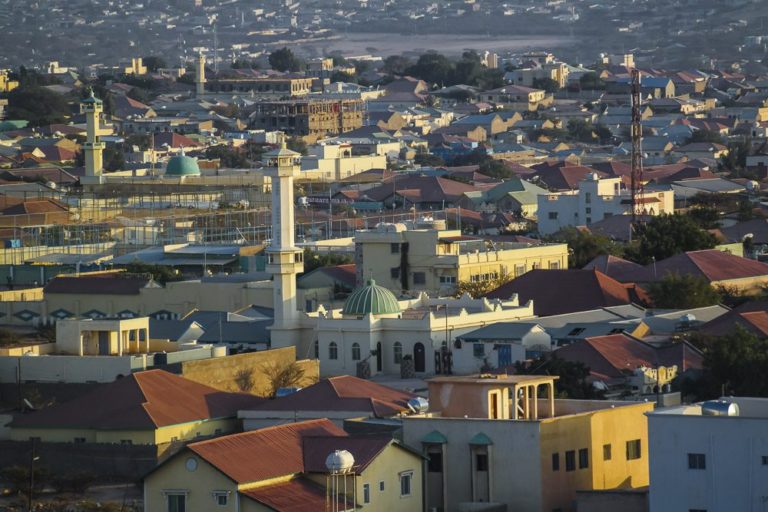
pixel 6 84
pixel 272 86
pixel 595 200
pixel 311 119
pixel 710 457
pixel 433 259
pixel 529 76
pixel 334 162
pixel 489 440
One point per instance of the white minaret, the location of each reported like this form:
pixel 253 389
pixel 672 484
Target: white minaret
pixel 92 107
pixel 284 259
pixel 200 75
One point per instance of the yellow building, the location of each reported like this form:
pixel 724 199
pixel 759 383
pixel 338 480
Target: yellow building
pixel 135 67
pixel 505 440
pixel 283 468
pixel 6 84
pixel 433 259
pixel 153 407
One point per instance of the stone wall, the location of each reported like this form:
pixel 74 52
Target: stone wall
pixel 246 372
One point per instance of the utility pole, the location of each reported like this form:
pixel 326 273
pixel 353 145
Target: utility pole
pixel 636 181
pixel 32 459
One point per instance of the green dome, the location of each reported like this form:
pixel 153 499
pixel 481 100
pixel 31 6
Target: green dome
pixel 372 299
pixel 182 165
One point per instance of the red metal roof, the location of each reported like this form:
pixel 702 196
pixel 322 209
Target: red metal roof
pixel 343 393
pixel 712 265
pixel 266 453
pixel 141 401
pixel 556 292
pixel 297 495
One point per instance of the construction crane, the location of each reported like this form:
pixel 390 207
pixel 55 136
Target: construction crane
pixel 636 178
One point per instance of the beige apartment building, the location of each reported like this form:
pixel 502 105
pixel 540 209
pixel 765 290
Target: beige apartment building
pixel 433 259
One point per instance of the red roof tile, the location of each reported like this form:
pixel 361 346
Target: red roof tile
pixel 752 316
pixel 141 401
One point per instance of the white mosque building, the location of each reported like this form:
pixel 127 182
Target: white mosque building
pixel 375 333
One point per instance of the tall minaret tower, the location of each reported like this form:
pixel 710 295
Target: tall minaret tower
pixel 92 107
pixel 284 259
pixel 200 75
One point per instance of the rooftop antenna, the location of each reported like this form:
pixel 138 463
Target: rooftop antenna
pixel 636 178
pixel 215 50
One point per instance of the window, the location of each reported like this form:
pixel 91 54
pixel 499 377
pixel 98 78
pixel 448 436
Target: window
pixel 633 449
pixel 447 279
pixel 79 440
pixel 398 351
pixel 381 486
pixel 126 442
pixel 405 484
pixel 765 460
pixel 394 248
pixel 570 460
pixel 552 215
pixel 355 351
pixel 481 462
pixel 697 461
pixel 333 351
pixel 317 349
pixel 177 503
pixel 554 265
pixel 394 273
pixel 221 498
pixel 588 197
pixel 478 349
pixel 589 220
pixel 606 452
pixel 589 210
pixel 519 270
pixel 435 462
pixel 366 493
pixel 584 458
pixel 419 278
pixel 555 462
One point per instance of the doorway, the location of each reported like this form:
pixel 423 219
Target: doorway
pixel 419 364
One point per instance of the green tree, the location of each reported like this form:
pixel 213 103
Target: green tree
pixel 284 60
pixel 37 105
pixel 160 273
pixel 114 158
pixel 666 235
pixel 581 130
pixel 546 84
pixel 585 246
pixel 591 81
pixel 341 76
pixel 314 260
pixel 735 365
pixel 706 217
pixel 396 65
pixel 477 289
pixel 228 157
pixel 675 291
pixel 297 144
pixel 705 136
pixel 139 95
pixel 153 63
pixel 426 159
pixel 434 68
pixel 735 161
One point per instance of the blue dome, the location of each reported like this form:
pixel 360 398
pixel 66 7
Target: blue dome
pixel 372 299
pixel 182 165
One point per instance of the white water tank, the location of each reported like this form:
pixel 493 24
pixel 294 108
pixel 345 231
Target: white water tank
pixel 719 408
pixel 339 461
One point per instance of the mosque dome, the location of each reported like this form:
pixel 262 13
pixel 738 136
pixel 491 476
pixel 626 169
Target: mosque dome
pixel 182 165
pixel 372 299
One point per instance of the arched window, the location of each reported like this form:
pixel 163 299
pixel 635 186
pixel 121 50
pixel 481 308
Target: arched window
pixel 398 350
pixel 333 351
pixel 317 349
pixel 355 351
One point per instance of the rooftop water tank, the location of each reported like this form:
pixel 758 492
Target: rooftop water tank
pixel 340 461
pixel 719 408
pixel 418 404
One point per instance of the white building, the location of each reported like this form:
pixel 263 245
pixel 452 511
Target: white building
pixel 374 326
pixel 595 200
pixel 334 162
pixel 709 457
